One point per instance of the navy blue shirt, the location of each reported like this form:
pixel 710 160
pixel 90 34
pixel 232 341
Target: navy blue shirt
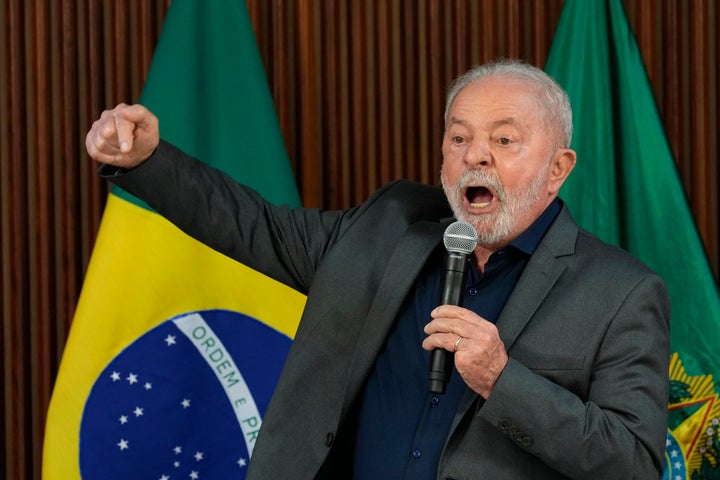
pixel 402 426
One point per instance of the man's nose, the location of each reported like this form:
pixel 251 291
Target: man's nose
pixel 478 154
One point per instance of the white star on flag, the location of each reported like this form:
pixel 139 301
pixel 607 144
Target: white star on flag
pixel 123 444
pixel 170 340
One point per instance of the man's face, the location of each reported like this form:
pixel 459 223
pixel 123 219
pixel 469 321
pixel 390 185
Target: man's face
pixel 498 160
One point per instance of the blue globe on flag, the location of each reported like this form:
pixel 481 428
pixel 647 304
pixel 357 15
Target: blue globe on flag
pixel 185 400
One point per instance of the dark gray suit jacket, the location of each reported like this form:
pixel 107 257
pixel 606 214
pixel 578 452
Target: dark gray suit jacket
pixel 584 395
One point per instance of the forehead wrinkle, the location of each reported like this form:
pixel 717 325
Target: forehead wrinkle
pixel 512 121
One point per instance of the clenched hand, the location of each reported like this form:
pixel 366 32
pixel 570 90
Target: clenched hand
pixel 124 136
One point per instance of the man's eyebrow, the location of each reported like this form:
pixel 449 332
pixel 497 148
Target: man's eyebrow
pixel 457 121
pixel 493 124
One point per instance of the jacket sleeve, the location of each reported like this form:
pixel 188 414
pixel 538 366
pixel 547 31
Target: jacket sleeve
pixel 281 242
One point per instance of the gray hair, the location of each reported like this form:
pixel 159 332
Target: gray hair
pixel 551 98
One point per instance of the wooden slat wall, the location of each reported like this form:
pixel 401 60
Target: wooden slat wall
pixel 359 87
pixel 371 78
pixel 61 61
pixel 679 44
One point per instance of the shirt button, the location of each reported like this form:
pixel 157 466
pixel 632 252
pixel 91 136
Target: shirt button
pixel 417 453
pixel 472 291
pixel 434 400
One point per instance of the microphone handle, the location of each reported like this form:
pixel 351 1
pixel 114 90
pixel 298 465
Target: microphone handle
pixel 441 361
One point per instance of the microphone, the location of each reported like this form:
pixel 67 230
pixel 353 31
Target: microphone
pixel 460 239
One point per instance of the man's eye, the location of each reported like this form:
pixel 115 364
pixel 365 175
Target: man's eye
pixel 458 139
pixel 504 141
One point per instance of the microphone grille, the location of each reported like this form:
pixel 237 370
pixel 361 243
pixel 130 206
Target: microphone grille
pixel 460 237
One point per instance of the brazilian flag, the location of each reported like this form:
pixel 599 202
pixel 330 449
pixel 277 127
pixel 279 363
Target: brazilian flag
pixel 625 188
pixel 175 349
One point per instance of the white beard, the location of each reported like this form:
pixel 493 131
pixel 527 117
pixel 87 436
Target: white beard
pixel 495 228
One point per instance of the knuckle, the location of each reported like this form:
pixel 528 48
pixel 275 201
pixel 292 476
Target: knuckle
pixel 107 131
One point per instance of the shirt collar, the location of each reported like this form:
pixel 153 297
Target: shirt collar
pixel 528 241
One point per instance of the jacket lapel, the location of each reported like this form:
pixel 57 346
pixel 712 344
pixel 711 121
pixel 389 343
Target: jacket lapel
pixel 408 258
pixel 536 281
pixel 538 278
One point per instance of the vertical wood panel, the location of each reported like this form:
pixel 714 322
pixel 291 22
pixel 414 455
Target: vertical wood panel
pixel 14 242
pixel 678 42
pixel 359 88
pixel 61 63
pixel 697 70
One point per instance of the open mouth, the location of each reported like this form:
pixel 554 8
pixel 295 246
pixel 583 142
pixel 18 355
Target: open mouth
pixel 479 197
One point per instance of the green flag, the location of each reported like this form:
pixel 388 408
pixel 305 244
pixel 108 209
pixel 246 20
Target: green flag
pixel 175 349
pixel 626 189
pixel 207 86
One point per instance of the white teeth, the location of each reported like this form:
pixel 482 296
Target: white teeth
pixel 480 205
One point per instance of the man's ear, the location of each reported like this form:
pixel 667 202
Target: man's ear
pixel 562 164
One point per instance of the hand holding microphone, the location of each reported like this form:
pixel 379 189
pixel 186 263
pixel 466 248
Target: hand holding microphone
pixel 460 239
pixel 457 335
